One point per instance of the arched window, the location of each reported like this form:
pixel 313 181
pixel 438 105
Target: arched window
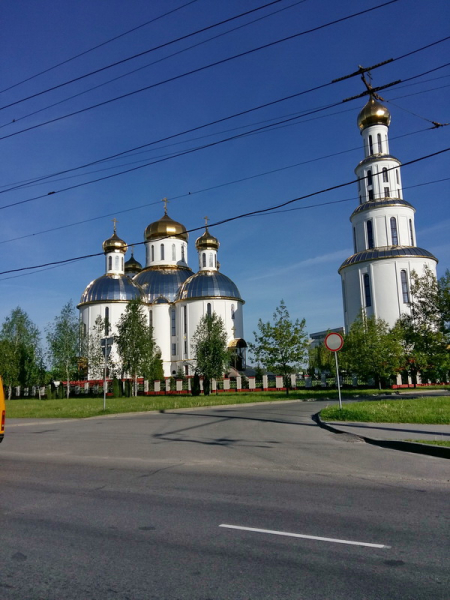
pixel 354 240
pixel 182 253
pixel 369 177
pixel 394 234
pixel 106 321
pixel 405 289
pixel 232 311
pixel 185 318
pixel 370 243
pixel 174 256
pixel 385 174
pixel 208 309
pixel 153 253
pixel 370 145
pixel 109 263
pixel 116 263
pixel 203 259
pixel 210 259
pixel 151 318
pixel 367 294
pixel 397 176
pixel 380 148
pixel 411 234
pixel 162 251
pixel 215 260
pixel 174 322
pixel 122 263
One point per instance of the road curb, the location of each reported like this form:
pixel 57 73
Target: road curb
pixel 428 449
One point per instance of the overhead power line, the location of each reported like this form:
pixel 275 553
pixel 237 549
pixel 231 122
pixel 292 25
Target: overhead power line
pixel 207 189
pixel 199 69
pixel 159 60
pixel 166 158
pixel 124 60
pixel 113 39
pixel 235 217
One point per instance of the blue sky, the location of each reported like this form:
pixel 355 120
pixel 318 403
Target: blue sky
pixel 292 254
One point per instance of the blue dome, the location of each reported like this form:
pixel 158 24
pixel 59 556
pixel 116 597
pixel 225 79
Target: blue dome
pixel 208 284
pixel 111 287
pixel 158 283
pixel 386 252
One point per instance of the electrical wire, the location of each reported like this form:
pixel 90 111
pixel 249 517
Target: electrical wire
pixel 197 70
pixel 124 60
pixel 151 64
pixel 113 39
pixel 236 217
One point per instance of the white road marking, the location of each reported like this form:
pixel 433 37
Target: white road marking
pixel 307 537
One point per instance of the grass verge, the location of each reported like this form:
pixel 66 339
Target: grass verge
pixel 445 443
pixel 433 411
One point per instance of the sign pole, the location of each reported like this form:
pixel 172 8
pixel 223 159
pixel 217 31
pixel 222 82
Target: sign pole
pixel 104 374
pixel 338 382
pixel 334 342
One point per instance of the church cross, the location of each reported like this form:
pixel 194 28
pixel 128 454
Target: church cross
pixel 206 222
pixel 115 224
pixel 165 205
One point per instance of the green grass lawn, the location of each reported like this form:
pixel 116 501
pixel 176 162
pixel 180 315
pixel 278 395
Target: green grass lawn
pixel 432 442
pixel 419 410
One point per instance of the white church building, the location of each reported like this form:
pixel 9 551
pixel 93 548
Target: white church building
pixel 175 297
pixel 376 278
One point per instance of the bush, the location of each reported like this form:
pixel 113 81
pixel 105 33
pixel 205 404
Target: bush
pixel 195 388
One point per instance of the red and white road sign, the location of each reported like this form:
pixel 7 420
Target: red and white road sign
pixel 334 342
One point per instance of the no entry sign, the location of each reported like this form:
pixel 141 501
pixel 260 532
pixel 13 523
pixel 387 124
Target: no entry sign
pixel 334 342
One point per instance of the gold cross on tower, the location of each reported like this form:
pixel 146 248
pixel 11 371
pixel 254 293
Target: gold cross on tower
pixel 165 205
pixel 115 221
pixel 206 222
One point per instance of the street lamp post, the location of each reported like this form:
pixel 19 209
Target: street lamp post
pixel 106 344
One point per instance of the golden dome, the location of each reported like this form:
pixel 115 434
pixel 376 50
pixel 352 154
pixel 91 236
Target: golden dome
pixel 207 241
pixel 132 265
pixel 114 243
pixel 374 113
pixel 165 227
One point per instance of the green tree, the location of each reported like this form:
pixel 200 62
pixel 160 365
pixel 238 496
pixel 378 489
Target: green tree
pixel 21 358
pixel 63 342
pixel 94 352
pixel 371 350
pixel 209 347
pixel 135 343
pixel 321 360
pixel 425 331
pixel 280 346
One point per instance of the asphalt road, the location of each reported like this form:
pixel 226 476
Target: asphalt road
pixel 133 507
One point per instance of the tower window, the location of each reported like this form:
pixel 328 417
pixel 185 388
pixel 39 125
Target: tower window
pixel 367 294
pixel 210 259
pixel 153 253
pixel 208 309
pixel 370 145
pixel 380 150
pixel 215 260
pixel 185 347
pixel 151 318
pixel 122 263
pixel 185 318
pixel 182 253
pixel 397 176
pixel 405 290
pixel 411 235
pixel 116 263
pixel 354 240
pixel 109 263
pixel 174 256
pixel 204 259
pixel 387 192
pixel 162 251
pixel 394 234
pixel 370 243
pixel 370 194
pixel 107 321
pixel 385 175
pixel 369 177
pixel 232 311
pixel 174 322
pixel 174 349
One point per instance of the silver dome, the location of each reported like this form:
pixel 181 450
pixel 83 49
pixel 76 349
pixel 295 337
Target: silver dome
pixel 209 284
pixel 386 252
pixel 158 283
pixel 111 287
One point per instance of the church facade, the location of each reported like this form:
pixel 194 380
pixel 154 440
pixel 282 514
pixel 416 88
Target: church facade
pixel 175 298
pixel 376 278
